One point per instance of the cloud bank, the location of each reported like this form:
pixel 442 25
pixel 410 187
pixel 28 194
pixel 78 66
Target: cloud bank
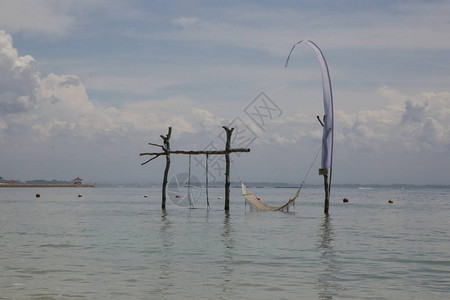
pixel 42 111
pixel 51 126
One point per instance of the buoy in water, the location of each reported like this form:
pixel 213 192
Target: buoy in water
pixel 258 198
pixel 38 195
pixel 177 196
pixel 219 197
pixel 390 201
pixel 79 195
pixel 345 200
pixel 145 196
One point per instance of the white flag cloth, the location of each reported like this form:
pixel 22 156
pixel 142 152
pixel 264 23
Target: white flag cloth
pixel 327 137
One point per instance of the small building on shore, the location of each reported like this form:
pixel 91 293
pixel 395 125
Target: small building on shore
pixel 12 181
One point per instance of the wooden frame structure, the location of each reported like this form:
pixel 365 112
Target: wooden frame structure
pixel 166 152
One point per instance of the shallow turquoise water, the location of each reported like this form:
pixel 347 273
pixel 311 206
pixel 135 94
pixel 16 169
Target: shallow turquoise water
pixel 113 243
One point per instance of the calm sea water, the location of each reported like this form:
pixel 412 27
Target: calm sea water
pixel 114 243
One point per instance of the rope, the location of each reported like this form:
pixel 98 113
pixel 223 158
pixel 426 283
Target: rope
pixel 189 184
pixel 306 176
pixel 307 173
pixel 207 197
pixel 235 168
pixel 310 167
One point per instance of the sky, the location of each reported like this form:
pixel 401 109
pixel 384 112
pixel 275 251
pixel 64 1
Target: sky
pixel 86 85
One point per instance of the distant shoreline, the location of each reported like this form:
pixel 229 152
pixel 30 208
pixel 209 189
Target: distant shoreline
pixel 26 185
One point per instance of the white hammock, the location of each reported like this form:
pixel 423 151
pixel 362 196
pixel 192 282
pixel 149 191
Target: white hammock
pixel 258 205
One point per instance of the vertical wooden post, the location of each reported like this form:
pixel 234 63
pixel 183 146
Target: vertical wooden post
pixel 326 186
pixel 166 149
pixel 327 194
pixel 227 167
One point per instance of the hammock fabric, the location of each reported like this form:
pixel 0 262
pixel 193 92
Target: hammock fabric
pixel 255 203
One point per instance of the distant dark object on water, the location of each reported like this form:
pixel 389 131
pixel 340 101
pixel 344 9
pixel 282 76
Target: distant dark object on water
pixel 345 200
pixel 390 201
pixel 38 195
pixel 145 196
pixel 79 195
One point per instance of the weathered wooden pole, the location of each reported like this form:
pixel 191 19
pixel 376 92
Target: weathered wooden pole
pixel 327 194
pixel 326 181
pixel 227 167
pixel 326 187
pixel 166 149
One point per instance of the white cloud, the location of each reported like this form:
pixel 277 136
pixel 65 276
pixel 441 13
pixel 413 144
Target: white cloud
pixel 423 124
pixel 56 19
pixel 128 84
pixel 185 21
pixel 49 17
pixel 44 107
pixel 207 119
pixel 18 78
pixel 274 30
pixel 414 112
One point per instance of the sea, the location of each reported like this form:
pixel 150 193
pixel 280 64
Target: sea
pixel 117 243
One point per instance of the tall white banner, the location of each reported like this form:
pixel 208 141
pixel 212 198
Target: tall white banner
pixel 327 137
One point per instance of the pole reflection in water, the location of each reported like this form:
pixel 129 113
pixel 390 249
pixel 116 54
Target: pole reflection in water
pixel 228 242
pixel 326 283
pixel 166 280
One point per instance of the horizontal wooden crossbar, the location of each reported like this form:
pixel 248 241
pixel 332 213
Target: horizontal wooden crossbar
pixel 212 152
